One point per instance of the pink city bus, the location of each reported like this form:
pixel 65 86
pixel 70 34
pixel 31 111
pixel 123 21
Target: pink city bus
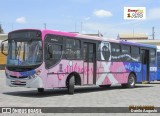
pixel 47 59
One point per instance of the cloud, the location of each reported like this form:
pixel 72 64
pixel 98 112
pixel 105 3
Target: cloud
pixel 153 14
pixel 102 13
pixel 21 20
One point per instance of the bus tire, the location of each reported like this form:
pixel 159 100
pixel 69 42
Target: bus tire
pixel 40 90
pixel 104 86
pixel 71 83
pixel 131 81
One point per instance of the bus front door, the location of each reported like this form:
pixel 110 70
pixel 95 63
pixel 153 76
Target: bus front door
pixel 145 65
pixel 89 51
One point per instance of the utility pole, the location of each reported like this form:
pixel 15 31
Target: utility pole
pixel 153 33
pixel 12 26
pixel 81 26
pixel 75 27
pixel 45 26
pixel 0 29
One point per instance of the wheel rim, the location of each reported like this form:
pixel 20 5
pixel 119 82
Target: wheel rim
pixel 131 81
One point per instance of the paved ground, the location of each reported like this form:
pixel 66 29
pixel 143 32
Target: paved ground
pixel 143 94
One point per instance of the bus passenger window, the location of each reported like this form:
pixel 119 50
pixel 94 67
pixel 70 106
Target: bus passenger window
pixel 53 55
pixel 158 58
pixel 73 49
pixel 135 54
pixel 152 57
pixel 125 53
pixel 115 51
pixel 103 51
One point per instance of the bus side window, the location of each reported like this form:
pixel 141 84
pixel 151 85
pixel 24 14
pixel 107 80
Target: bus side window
pixel 52 49
pixel 103 51
pixel 135 54
pixel 73 49
pixel 53 54
pixel 85 52
pixel 152 57
pixel 125 51
pixel 158 58
pixel 115 51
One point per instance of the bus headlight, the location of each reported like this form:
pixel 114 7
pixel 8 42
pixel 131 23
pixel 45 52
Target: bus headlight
pixel 38 72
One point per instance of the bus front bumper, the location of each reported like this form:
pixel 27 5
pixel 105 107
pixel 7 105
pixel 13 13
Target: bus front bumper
pixel 35 82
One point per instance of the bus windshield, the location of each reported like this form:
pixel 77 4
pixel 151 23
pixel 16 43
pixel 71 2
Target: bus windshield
pixel 24 53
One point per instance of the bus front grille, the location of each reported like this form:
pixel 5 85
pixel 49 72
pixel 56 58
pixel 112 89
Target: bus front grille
pixel 15 82
pixel 18 77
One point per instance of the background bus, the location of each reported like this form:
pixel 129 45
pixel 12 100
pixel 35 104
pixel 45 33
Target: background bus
pixel 47 59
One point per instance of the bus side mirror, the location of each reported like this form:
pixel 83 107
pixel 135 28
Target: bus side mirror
pixel 3 48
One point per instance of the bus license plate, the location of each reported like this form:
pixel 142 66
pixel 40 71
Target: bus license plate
pixel 17 82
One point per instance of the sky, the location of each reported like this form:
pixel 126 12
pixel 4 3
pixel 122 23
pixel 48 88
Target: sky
pixel 83 16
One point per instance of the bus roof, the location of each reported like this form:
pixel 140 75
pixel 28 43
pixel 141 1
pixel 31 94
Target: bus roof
pixel 138 44
pixel 69 34
pixel 95 38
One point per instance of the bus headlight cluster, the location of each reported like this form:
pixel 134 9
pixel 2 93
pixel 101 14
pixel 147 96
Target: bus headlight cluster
pixel 38 72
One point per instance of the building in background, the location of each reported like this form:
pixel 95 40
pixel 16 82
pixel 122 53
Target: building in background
pixel 3 36
pixel 155 42
pixel 133 36
pixel 138 38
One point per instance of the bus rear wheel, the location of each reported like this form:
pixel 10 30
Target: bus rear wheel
pixel 131 81
pixel 40 90
pixel 71 83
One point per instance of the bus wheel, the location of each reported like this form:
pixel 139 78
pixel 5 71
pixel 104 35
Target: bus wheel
pixel 40 90
pixel 104 86
pixel 71 83
pixel 131 81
